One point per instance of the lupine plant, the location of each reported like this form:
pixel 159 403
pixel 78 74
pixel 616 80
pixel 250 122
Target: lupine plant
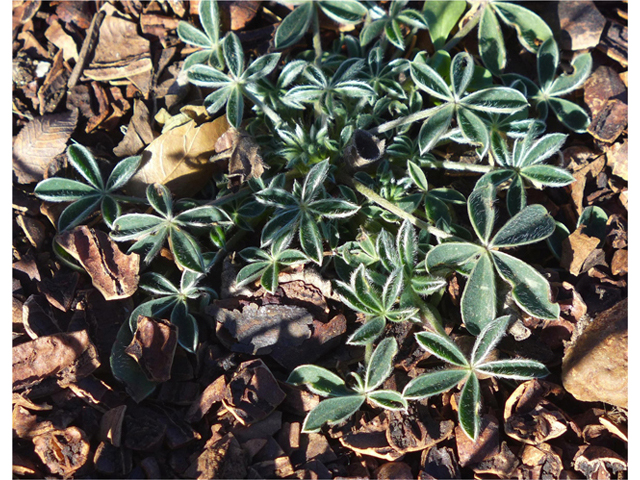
pixel 387 226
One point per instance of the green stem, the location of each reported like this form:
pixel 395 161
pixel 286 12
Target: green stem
pixel 398 122
pixel 387 205
pixel 126 198
pixel 456 166
pixel 269 112
pixel 464 31
pixel 429 314
pixel 317 44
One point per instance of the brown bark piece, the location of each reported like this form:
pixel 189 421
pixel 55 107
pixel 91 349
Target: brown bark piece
pixel 615 43
pixel 24 12
pixel 120 52
pixel 39 142
pixel 54 86
pixel 153 346
pixel 610 121
pixel 111 425
pixel 595 367
pixel 620 263
pixel 485 446
pixel 61 39
pixel 369 438
pixel 412 431
pixel 581 25
pixel 158 25
pixel 100 95
pixel 532 419
pixel 33 230
pixel 111 461
pixel 223 459
pixel 68 356
pixel 242 13
pixel 28 266
pixel 393 470
pixel 502 465
pixel 438 463
pixel 60 290
pixel 139 132
pixel 74 12
pixel 37 317
pixel 543 459
pixel 214 393
pixel 253 393
pixel 618 159
pixel 112 272
pixel 599 463
pixel 245 161
pixel 576 248
pixel 63 451
pixel 602 85
pixel 179 158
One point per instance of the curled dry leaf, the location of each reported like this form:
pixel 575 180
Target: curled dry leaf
pixel 179 158
pixel 67 356
pixel 39 142
pixel 598 462
pixel 111 425
pixel 542 460
pixel 576 248
pixel 112 272
pixel 153 346
pixel 485 446
pixel 63 451
pixel 245 161
pixel 222 459
pixel 370 438
pixel 414 430
pixel 437 463
pixel 212 394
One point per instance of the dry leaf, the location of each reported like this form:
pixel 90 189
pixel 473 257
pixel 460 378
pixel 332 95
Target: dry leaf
pixel 618 159
pixel 179 159
pixel 602 85
pixel 112 272
pixel 581 24
pixel 111 425
pixel 576 249
pixel 139 132
pixel 61 39
pixel 54 86
pixel 610 121
pixel 63 451
pixel 39 142
pixel 153 346
pixel 120 53
pixel 245 161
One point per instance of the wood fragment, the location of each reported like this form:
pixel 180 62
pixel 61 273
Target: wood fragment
pixel 88 45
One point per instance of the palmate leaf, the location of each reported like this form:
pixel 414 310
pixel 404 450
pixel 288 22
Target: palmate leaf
pixel 367 333
pixel 479 300
pixel 531 290
pixel 531 29
pixel 332 411
pixel 441 17
pixel 294 26
pixel 474 129
pixel 433 383
pixel 495 100
pixel 515 369
pixel 461 72
pixel 451 254
pixel 392 288
pixel 488 339
pixel 516 196
pixel 388 399
pixel 469 407
pixel 434 127
pixel 185 249
pixel 381 364
pixel 430 81
pixel 159 198
pixel 481 211
pixel 491 42
pixel 530 225
pixel 135 225
pixel 62 190
pixel 570 114
pixel 78 211
pixel 122 172
pixel 566 83
pixel 442 347
pixel 187 327
pixel 418 176
pixel 157 284
pixel 547 175
pixel 310 238
pixel 84 163
pixel 110 210
pixel 319 380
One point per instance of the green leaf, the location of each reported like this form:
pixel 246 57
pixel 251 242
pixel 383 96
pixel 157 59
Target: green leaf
pixel 155 283
pixel 250 273
pixel 499 149
pixel 495 178
pixel 469 407
pixel 387 251
pixel 548 58
pixel 547 175
pixel 209 14
pixel 78 211
pixel 442 16
pixel 333 208
pixel 515 369
pixel 153 308
pixel 380 364
pixel 570 114
pixel 262 66
pixel 394 34
pixel 281 224
pixel 595 221
pixel 542 149
pixel 310 238
pixel 413 18
pixel 191 35
pixel 361 285
pixel 276 197
pixel 150 245
pixel 434 127
pixel 479 299
pixel 81 159
pixel 418 176
pixel 207 76
pixel 530 225
pixel 388 399
pixel 371 31
pixel 332 411
pixel 294 26
pixel 291 256
pixel 235 107
pixel 122 172
pixel 159 197
pixel 442 347
pixel 368 332
pixel 531 29
pixel 488 339
pixel 554 242
pixel 217 99
pixel 491 42
pixel 496 100
pixel 187 327
pixel 531 290
pixel 110 210
pixel 62 190
pixel 461 72
pixel 568 83
pixel 392 288
pixel 349 12
pixel 427 79
pixel 474 129
pixel 314 180
pixel 424 285
pixel 407 244
pixel 134 226
pixel 433 383
pixel 448 195
pixel 269 278
pixel 199 57
pixel 205 216
pixel 185 250
pixel 516 196
pixel 481 211
pixel 233 54
pixel 451 254
pixel 319 380
pixel 126 370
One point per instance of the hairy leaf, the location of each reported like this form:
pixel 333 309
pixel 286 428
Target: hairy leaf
pixel 488 339
pixel 368 332
pixel 380 364
pixel 481 211
pixel 442 347
pixel 332 411
pixel 530 225
pixel 469 407
pixel 479 300
pixel 388 399
pixel 515 369
pixel 319 380
pixel 433 383
pixel 294 26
